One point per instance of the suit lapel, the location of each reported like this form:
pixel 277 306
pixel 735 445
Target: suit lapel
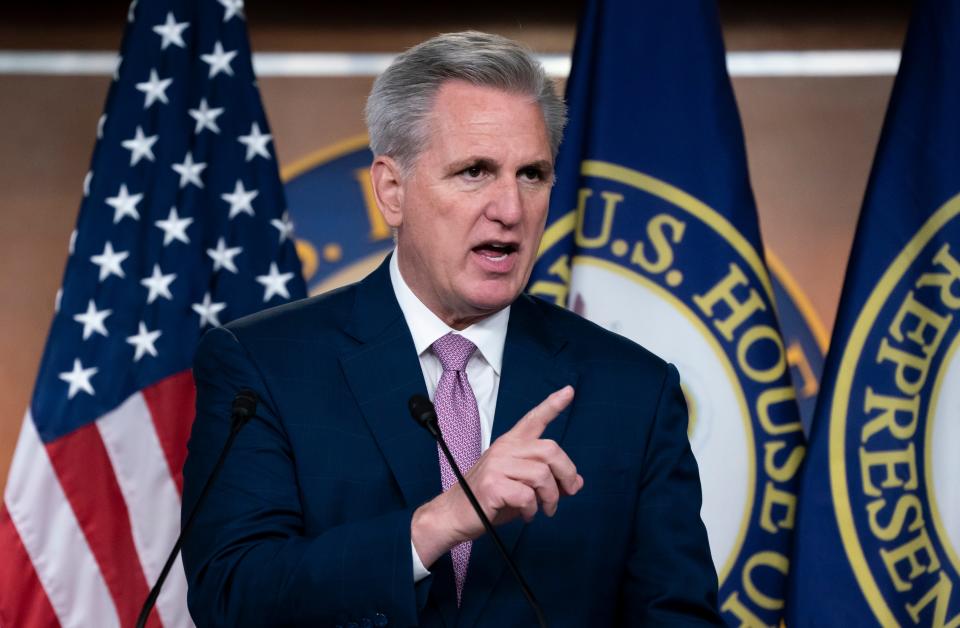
pixel 531 371
pixel 383 371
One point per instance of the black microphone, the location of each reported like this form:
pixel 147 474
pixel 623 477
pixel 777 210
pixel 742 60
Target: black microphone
pixel 244 407
pixel 423 412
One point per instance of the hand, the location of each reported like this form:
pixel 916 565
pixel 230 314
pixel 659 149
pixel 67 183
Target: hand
pixel 517 475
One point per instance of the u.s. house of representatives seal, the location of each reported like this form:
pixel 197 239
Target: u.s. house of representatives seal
pixel 894 430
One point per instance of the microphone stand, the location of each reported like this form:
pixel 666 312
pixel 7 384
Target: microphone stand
pixel 423 412
pixel 244 406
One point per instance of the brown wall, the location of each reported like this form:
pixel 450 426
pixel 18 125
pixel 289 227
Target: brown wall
pixel 810 143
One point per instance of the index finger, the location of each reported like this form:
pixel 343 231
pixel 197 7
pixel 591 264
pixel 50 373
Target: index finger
pixel 533 423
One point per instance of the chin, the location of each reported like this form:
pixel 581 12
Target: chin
pixel 494 300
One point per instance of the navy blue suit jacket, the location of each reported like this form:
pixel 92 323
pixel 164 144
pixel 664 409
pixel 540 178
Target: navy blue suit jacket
pixel 309 522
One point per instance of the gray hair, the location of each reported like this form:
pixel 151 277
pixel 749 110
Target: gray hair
pixel 403 96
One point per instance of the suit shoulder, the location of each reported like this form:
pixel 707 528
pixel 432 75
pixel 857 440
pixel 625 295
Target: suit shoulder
pixel 591 342
pixel 330 311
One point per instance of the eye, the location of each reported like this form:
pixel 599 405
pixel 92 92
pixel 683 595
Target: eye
pixel 473 172
pixel 477 170
pixel 531 173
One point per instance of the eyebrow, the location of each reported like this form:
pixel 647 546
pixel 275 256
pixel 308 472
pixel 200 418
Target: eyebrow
pixel 472 161
pixel 543 165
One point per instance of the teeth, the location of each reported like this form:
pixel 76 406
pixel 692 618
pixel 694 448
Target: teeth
pixel 495 258
pixel 495 251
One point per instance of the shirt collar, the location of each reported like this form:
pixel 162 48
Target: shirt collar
pixel 489 334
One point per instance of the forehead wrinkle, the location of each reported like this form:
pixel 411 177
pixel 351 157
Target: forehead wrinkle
pixel 479 115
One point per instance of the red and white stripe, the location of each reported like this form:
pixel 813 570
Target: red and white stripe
pixel 152 498
pixel 91 516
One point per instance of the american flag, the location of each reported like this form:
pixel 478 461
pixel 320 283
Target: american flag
pixel 181 227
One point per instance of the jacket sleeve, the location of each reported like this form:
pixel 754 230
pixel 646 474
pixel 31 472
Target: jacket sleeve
pixel 670 579
pixel 247 560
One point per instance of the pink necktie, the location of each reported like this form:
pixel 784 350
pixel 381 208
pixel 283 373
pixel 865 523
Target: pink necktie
pixel 459 421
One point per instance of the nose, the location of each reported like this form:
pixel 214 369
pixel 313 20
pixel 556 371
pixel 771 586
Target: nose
pixel 506 204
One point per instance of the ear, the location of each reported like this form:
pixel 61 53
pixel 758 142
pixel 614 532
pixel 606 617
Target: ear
pixel 388 189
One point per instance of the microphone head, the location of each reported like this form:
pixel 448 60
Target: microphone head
pixel 244 405
pixel 422 412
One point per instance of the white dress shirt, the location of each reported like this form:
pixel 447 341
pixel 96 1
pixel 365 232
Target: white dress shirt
pixel 483 368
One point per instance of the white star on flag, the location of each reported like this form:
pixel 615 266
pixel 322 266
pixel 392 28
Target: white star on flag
pixel 87 178
pixel 158 284
pixel 116 68
pixel 189 171
pixel 57 299
pixel 256 142
pixel 73 242
pixel 124 204
pixel 171 32
pixel 240 200
pixel 143 342
pixel 208 311
pixel 284 225
pixel 206 117
pixel 100 123
pixel 174 227
pixel 219 60
pixel 131 9
pixel 154 89
pixel 223 257
pixel 140 146
pixel 79 378
pixel 275 283
pixel 109 261
pixel 231 8
pixel 93 320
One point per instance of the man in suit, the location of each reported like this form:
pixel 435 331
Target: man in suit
pixel 335 508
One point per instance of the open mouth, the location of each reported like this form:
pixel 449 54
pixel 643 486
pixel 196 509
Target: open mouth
pixel 495 251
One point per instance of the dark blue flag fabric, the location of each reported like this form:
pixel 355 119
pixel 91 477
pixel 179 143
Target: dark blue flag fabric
pixel 653 233
pixel 879 522
pixel 182 227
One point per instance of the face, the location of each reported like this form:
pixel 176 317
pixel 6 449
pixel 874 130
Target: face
pixel 470 211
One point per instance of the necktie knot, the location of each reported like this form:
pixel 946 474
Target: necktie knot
pixel 454 351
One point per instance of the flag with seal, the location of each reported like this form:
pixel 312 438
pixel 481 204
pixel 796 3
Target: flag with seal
pixel 878 535
pixel 653 234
